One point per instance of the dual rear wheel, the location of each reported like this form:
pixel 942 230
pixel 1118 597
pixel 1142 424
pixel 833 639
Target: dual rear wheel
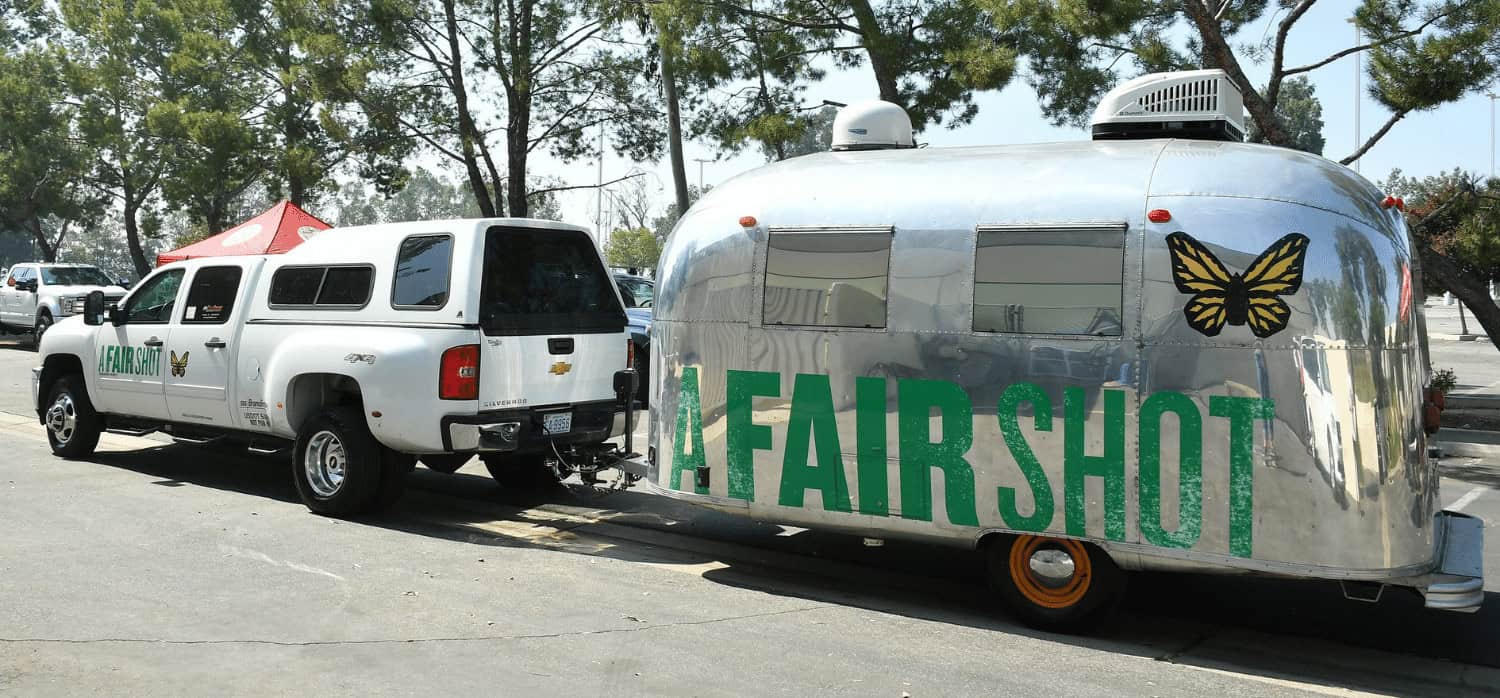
pixel 342 470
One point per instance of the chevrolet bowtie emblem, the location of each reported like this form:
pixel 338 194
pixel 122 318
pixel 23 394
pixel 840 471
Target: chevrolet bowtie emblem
pixel 560 368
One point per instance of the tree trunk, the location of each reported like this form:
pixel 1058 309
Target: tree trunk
pixel 49 251
pixel 133 233
pixel 466 128
pixel 1216 52
pixel 879 48
pixel 516 138
pixel 1471 291
pixel 296 183
pixel 674 129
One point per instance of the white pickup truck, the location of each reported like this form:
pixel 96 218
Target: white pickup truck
pixel 36 295
pixel 362 350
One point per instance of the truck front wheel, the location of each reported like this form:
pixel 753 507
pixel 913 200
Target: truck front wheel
pixel 1054 584
pixel 73 427
pixel 339 467
pixel 43 323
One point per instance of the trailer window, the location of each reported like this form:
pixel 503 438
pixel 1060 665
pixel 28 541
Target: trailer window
pixel 1055 280
pixel 827 279
pixel 422 272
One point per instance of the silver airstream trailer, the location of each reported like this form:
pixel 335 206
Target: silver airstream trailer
pixel 1161 349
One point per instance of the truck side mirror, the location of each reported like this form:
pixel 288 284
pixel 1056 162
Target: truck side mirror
pixel 93 308
pixel 116 316
pixel 124 283
pixel 28 285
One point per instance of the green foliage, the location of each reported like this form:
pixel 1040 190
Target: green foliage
pixel 1459 216
pixel 632 248
pixel 425 196
pixel 1300 113
pixel 1444 380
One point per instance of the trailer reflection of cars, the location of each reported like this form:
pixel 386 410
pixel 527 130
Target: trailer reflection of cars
pixel 1082 358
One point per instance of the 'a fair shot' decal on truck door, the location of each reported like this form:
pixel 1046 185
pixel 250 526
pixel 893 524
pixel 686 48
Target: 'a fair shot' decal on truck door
pixel 116 360
pixel 1221 296
pixel 814 449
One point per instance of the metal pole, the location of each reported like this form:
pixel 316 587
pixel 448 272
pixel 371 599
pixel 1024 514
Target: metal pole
pixel 700 162
pixel 1356 93
pixel 1492 135
pixel 599 192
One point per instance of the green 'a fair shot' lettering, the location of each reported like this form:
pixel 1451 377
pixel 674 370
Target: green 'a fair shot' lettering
pixel 1189 470
pixel 744 436
pixel 1078 465
pixel 812 426
pixel 920 456
pixel 1010 428
pixel 128 360
pixel 689 421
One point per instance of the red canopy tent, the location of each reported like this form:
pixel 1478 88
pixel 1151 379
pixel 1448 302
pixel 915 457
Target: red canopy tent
pixel 279 229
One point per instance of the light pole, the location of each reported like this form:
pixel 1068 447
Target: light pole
pixel 1492 134
pixel 1356 91
pixel 700 162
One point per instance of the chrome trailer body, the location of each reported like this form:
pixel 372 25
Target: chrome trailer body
pixel 1300 453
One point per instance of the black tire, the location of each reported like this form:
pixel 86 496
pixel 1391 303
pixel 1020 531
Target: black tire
pixel 642 368
pixel 349 465
pixel 445 462
pixel 73 427
pixel 1067 602
pixel 393 478
pixel 514 471
pixel 43 323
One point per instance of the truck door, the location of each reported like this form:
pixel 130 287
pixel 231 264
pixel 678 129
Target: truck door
pixel 132 356
pixel 200 351
pixel 9 295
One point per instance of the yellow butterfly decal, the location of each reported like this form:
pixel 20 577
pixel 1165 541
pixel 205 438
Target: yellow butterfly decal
pixel 179 366
pixel 1221 296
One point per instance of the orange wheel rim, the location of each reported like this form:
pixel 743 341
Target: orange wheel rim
pixel 1039 590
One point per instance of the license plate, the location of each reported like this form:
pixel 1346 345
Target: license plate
pixel 557 423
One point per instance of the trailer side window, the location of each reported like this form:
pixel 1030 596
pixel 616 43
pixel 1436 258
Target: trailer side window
pixel 1052 280
pixel 827 279
pixel 422 272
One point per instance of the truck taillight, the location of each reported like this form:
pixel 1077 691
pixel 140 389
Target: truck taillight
pixel 459 377
pixel 629 353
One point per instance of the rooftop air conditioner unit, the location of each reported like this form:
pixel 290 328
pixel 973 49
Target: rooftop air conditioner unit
pixel 1201 104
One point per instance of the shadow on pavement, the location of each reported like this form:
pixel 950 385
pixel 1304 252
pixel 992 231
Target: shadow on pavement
pixel 1163 616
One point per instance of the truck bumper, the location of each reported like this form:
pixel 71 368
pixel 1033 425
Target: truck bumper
pixel 521 430
pixel 1458 582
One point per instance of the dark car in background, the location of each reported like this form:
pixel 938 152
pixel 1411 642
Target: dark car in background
pixel 638 293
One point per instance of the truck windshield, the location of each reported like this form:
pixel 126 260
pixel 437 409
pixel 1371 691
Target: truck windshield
pixel 74 276
pixel 539 281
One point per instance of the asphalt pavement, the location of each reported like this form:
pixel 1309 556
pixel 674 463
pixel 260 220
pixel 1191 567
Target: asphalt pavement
pixel 171 569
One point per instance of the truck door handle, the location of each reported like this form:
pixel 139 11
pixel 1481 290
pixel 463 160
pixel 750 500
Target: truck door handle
pixel 152 342
pixel 214 343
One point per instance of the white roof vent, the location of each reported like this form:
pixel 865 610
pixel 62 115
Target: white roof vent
pixel 1188 104
pixel 872 125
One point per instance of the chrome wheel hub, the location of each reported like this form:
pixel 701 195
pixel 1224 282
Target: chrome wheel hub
pixel 1052 567
pixel 324 463
pixel 62 418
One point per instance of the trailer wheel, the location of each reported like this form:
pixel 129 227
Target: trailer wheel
pixel 338 465
pixel 520 471
pixel 73 427
pixel 1054 584
pixel 445 462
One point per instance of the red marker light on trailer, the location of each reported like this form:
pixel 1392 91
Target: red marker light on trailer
pixel 747 221
pixel 1400 204
pixel 1159 215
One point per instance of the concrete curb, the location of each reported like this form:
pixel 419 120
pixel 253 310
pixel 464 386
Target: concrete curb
pixel 1470 443
pixel 1456 337
pixel 1479 402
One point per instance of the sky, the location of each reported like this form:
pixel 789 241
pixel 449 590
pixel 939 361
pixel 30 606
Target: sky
pixel 1455 135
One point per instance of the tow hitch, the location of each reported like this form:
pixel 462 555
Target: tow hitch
pixel 589 461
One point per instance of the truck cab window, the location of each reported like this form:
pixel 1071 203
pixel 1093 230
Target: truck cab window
pixel 1049 280
pixel 154 301
pixel 422 272
pixel 827 279
pixel 210 298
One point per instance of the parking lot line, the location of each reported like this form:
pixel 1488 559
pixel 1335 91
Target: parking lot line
pixel 1467 499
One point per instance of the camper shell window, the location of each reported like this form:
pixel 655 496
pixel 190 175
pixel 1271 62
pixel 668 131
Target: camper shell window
pixel 1050 279
pixel 546 281
pixel 330 287
pixel 827 277
pixel 422 271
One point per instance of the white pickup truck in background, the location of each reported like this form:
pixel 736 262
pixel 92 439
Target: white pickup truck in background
pixel 363 349
pixel 37 295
